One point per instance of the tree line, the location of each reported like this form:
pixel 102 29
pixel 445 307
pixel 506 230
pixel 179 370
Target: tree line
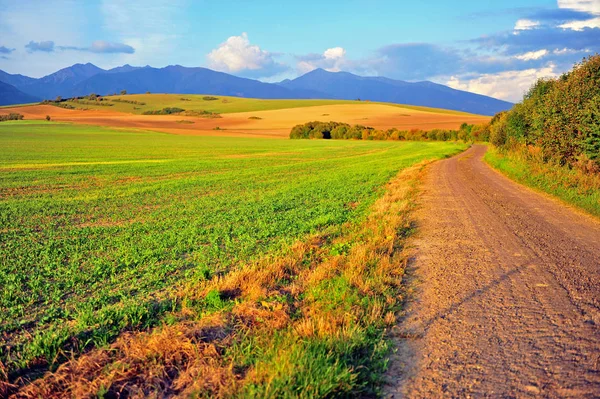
pixel 344 131
pixel 558 119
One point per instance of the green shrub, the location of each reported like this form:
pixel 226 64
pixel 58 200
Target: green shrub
pixel 11 117
pixel 165 111
pixel 498 131
pixel 560 116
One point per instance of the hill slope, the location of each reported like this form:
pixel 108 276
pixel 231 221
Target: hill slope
pixel 83 79
pixel 11 95
pixel 344 85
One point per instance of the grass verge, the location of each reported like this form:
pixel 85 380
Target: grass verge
pixel 570 185
pixel 309 323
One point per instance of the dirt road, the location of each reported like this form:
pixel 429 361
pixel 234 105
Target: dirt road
pixel 506 299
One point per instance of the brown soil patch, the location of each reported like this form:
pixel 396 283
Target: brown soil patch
pixel 277 123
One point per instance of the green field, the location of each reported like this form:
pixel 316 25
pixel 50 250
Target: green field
pixel 223 104
pixel 100 229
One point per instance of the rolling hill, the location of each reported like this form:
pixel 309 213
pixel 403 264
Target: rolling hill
pixel 83 79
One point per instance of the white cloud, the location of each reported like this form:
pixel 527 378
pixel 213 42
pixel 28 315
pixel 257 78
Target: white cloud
pixel 509 85
pixel 580 25
pixel 526 24
pixel 335 53
pixel 589 6
pixel 532 55
pixel 237 55
pixel 333 60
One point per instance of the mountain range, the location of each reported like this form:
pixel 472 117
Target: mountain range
pixel 83 79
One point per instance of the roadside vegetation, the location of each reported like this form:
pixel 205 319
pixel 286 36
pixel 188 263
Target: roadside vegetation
pixel 551 140
pixel 158 264
pixel 344 131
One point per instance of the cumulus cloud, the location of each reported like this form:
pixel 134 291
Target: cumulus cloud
pixel 508 85
pixel 581 25
pixel 6 50
pixel 45 46
pixel 332 60
pixel 237 55
pixel 590 7
pixel 334 53
pixel 549 46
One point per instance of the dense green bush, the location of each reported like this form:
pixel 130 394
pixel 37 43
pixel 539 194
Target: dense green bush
pixel 498 130
pixel 11 117
pixel 559 116
pixel 165 111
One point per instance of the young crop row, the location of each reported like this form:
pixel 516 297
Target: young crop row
pixel 101 229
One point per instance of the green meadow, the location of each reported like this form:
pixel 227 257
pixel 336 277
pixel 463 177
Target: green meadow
pixel 140 103
pixel 100 229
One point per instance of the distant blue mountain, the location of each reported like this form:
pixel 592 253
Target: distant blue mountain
pixel 15 80
pixel 125 68
pixel 11 95
pixel 60 83
pixel 344 85
pixel 178 79
pixel 83 79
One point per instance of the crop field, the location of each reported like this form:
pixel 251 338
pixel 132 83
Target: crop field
pixel 265 122
pixel 140 103
pixel 107 231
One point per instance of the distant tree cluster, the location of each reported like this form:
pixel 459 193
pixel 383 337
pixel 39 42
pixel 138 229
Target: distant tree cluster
pixel 11 117
pixel 120 100
pixel 344 131
pixel 165 111
pixel 559 119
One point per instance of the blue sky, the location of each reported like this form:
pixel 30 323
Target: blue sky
pixel 489 47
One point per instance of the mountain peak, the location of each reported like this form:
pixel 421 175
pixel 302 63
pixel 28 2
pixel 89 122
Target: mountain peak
pixel 319 71
pixel 81 79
